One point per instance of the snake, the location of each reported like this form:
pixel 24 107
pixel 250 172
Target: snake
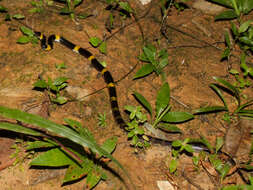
pixel 48 43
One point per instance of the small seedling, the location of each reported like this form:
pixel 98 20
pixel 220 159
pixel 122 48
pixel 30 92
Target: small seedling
pixel 102 119
pixel 54 88
pixel 60 66
pixel 28 36
pixel 155 61
pixel 232 90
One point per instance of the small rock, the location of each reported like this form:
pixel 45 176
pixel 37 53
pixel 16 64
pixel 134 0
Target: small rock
pixel 144 2
pixel 164 185
pixel 77 92
pixel 207 7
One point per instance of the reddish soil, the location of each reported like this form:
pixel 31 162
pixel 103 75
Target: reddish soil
pixel 192 64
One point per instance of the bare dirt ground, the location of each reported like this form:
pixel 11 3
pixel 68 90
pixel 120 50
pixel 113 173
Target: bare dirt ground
pixel 192 64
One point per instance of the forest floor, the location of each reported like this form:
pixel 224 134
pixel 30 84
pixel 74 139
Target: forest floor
pixel 193 61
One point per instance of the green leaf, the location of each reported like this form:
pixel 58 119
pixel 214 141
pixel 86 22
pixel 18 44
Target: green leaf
pixel 188 148
pixel 234 29
pixel 169 128
pixel 125 6
pixel 110 144
pixel 26 31
pixel 144 70
pixel 18 129
pixel 240 108
pixel 219 93
pixel 77 2
pixel 247 6
pixel 40 84
pixel 18 16
pixel 60 100
pixel 244 26
pixel 23 40
pixel 39 144
pixel 173 165
pixel 58 81
pixel 102 48
pixel 230 87
pixel 162 99
pixel 234 72
pixel 95 41
pixel 225 54
pixel 219 143
pixel 177 117
pixel 226 15
pixel 176 143
pixel 52 158
pixel 225 171
pixel 150 53
pixel 3 9
pixel 143 102
pixel 56 129
pixel 226 3
pixel 93 177
pixel 210 109
pixel 75 171
pixel 227 39
pixel 246 41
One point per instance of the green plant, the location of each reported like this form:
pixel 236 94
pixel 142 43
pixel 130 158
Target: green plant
pixel 164 118
pixel 54 88
pixel 73 146
pixel 156 61
pixel 28 36
pixel 166 4
pixel 97 42
pixel 102 119
pixel 240 110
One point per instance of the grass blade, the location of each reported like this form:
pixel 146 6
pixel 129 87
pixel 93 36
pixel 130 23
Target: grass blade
pixel 219 93
pixel 209 109
pixel 18 129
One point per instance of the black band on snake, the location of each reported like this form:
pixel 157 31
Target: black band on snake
pixel 48 45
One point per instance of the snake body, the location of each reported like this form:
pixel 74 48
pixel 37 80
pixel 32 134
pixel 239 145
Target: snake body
pixel 47 44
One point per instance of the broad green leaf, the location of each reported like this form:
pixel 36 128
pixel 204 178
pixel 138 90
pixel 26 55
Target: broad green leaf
pixel 23 40
pixel 219 93
pixel 234 72
pixel 3 9
pixel 125 6
pixel 246 41
pixel 52 158
pixel 230 87
pixel 188 148
pixel 210 109
pixel 225 170
pixel 110 144
pixel 169 128
pixel 57 129
pixel 39 144
pixel 162 99
pixel 93 177
pixel 18 16
pixel 26 31
pixel 40 84
pixel 226 15
pixel 58 81
pixel 60 100
pixel 18 129
pixel 244 26
pixel 177 117
pixel 173 165
pixel 176 143
pixel 247 6
pixel 95 41
pixel 150 54
pixel 143 102
pixel 75 171
pixel 144 70
pixel 77 2
pixel 102 48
